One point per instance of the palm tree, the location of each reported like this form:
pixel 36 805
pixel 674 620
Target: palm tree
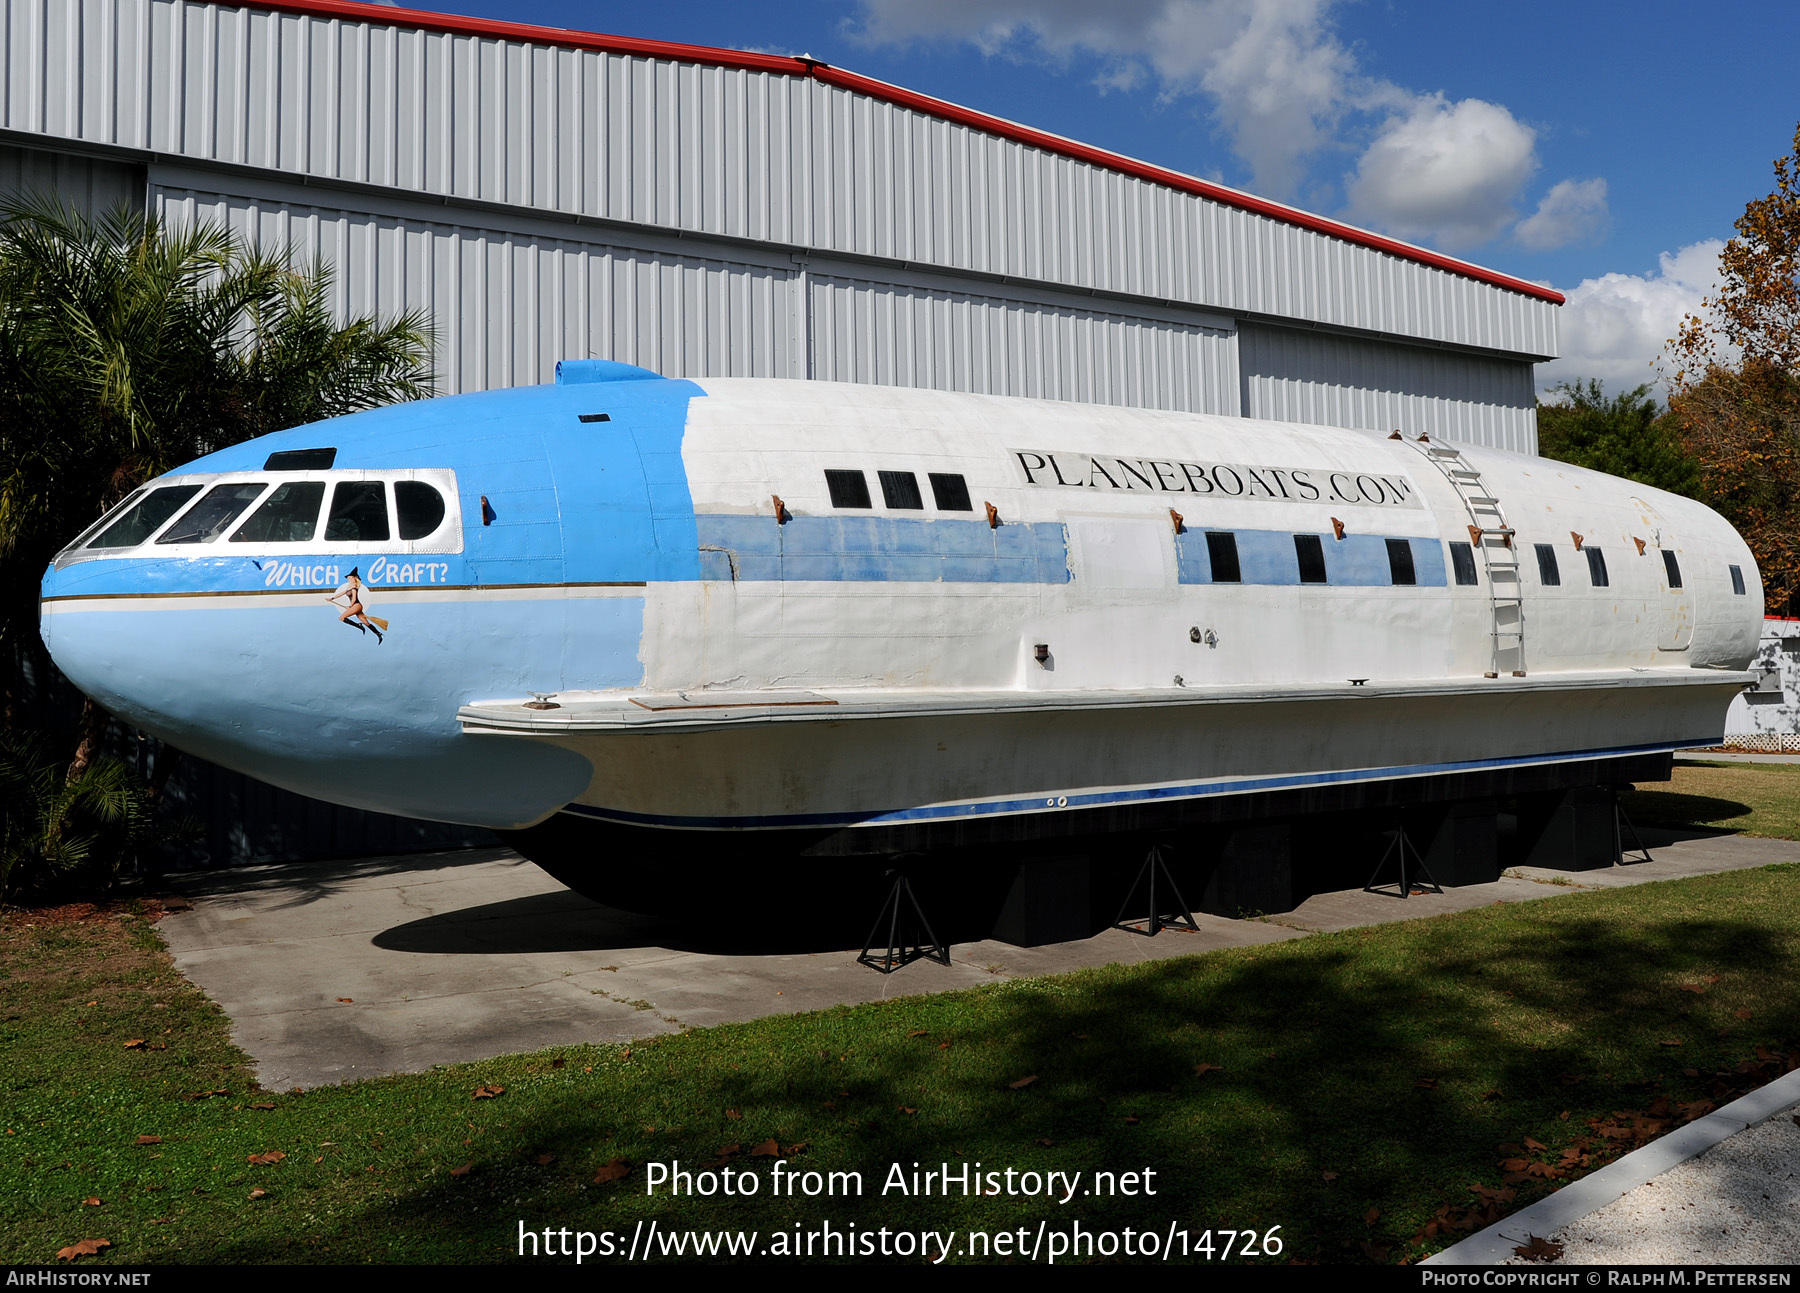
pixel 128 347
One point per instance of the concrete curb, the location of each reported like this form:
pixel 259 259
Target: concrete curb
pixel 1574 1201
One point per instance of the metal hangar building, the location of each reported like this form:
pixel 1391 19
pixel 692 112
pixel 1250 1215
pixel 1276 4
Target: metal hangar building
pixel 706 212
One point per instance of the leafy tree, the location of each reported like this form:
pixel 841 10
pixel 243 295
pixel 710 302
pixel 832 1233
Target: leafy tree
pixel 127 348
pixel 1625 435
pixel 1736 385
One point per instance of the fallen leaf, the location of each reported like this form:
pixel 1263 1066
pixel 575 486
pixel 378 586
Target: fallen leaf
pixel 1046 1142
pixel 1740 1014
pixel 207 1095
pixel 907 1108
pixel 1535 1146
pixel 1371 1216
pixel 544 1160
pixel 487 1092
pixel 918 1032
pixel 86 1248
pixel 1201 1070
pixel 1022 1083
pixel 733 1114
pixel 1564 1115
pixel 768 1149
pixel 1699 989
pixel 318 1160
pixel 943 1046
pixel 259 1193
pixel 1425 1084
pixel 1538 1249
pixel 90 1203
pixel 1131 1120
pixel 1330 1176
pixel 134 1043
pixel 1670 1041
pixel 1080 1037
pixel 264 1105
pixel 464 1170
pixel 347 1000
pixel 149 1140
pixel 93 1003
pixel 267 1160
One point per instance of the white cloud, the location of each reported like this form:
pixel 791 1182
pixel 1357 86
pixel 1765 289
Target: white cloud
pixel 1285 90
pixel 1445 171
pixel 1571 211
pixel 1278 77
pixel 1615 327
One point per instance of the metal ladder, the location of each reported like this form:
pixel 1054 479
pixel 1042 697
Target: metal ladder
pixel 1492 536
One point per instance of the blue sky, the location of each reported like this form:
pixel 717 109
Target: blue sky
pixel 1604 149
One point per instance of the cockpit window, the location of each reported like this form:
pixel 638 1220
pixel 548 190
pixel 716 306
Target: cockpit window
pixel 291 515
pixel 214 513
pixel 145 517
pixel 117 510
pixel 420 508
pixel 358 513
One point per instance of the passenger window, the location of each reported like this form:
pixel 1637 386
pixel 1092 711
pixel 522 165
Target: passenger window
pixel 1673 569
pixel 900 490
pixel 1597 567
pixel 1400 562
pixel 358 513
pixel 214 513
pixel 1737 580
pixel 951 492
pixel 1548 575
pixel 291 515
pixel 848 488
pixel 1222 553
pixel 1462 561
pixel 418 507
pixel 1310 551
pixel 143 520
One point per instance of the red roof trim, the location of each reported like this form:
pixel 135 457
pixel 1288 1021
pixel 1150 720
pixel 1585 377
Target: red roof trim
pixel 426 21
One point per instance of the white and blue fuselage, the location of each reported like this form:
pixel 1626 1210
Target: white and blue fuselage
pixel 806 606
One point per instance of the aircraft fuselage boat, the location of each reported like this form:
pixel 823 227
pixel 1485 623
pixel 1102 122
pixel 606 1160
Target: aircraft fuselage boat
pixel 629 619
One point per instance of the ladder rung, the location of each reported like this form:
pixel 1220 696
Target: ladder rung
pixel 1442 451
pixel 1468 473
pixel 1483 501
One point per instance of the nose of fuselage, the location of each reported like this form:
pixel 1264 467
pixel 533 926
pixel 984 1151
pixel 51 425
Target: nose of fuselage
pixel 284 685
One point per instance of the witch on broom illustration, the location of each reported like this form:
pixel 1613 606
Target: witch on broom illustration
pixel 355 615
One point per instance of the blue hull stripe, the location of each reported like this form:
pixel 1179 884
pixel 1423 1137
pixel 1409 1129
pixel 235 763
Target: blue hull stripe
pixel 1110 798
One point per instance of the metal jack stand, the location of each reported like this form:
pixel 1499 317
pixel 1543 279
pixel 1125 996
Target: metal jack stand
pixel 1621 824
pixel 1427 884
pixel 903 946
pixel 1158 919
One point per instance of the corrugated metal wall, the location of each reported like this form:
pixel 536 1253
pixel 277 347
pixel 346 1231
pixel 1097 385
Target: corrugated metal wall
pixel 711 151
pixel 1294 376
pixel 897 335
pixel 89 185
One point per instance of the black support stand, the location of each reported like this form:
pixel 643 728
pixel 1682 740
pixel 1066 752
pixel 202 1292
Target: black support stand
pixel 1178 917
pixel 1622 824
pixel 909 935
pixel 1425 882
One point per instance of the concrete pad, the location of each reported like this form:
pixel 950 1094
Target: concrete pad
pixel 453 957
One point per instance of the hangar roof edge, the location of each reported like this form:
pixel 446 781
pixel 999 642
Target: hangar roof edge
pixel 388 15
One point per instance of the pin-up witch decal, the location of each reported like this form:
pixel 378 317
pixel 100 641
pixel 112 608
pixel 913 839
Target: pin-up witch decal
pixel 355 615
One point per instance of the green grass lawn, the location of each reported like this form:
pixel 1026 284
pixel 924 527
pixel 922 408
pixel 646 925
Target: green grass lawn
pixel 1377 1093
pixel 1754 798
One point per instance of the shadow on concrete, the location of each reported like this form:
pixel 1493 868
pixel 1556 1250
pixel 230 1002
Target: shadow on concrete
pixel 567 922
pixel 305 883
